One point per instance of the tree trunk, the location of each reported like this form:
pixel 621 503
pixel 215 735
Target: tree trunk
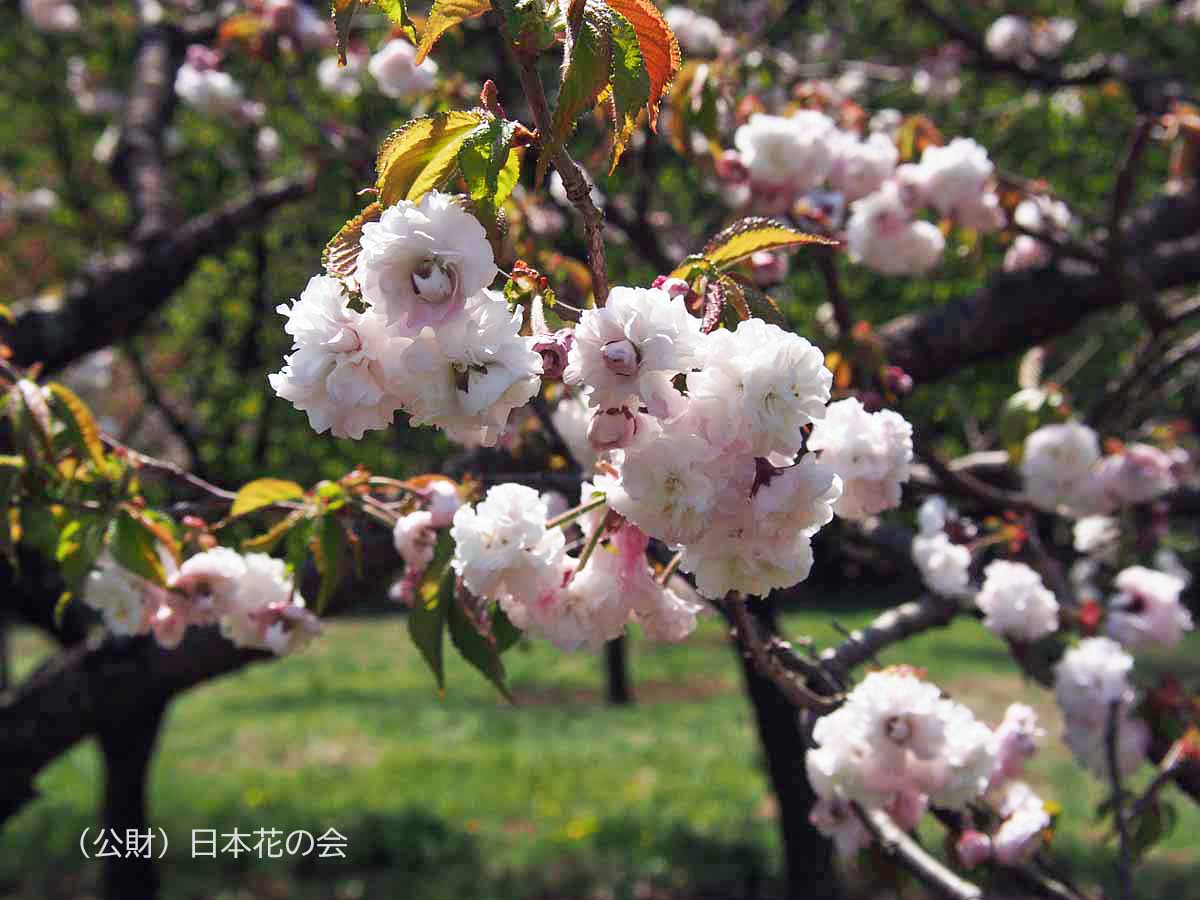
pixel 808 856
pixel 128 748
pixel 617 663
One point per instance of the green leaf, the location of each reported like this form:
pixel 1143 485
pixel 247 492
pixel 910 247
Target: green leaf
pixel 9 480
pixel 60 607
pixel 79 420
pixel 135 547
pixel 444 15
pixel 748 236
pixel 487 165
pixel 79 544
pixel 11 461
pixel 504 632
pixel 269 540
pixel 659 49
pixel 1155 823
pixel 476 648
pixel 427 620
pixel 397 12
pixel 264 492
pixel 343 13
pixel 630 88
pixel 587 70
pixel 330 557
pixel 7 314
pixel 423 154
pixel 340 257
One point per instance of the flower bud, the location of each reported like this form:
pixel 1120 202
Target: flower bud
pixel 612 429
pixel 202 58
pixel 974 848
pixel 620 357
pixel 769 268
pixel 731 168
pixel 554 349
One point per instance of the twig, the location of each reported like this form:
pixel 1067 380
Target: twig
pixel 575 181
pixel 966 483
pixel 1125 858
pixel 833 290
pixel 897 844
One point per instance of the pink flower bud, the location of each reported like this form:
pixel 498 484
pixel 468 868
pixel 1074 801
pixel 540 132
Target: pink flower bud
pixel 620 357
pixel 897 380
pixel 769 268
pixel 676 287
pixel 974 848
pixel 554 349
pixel 612 429
pixel 731 168
pixel 202 58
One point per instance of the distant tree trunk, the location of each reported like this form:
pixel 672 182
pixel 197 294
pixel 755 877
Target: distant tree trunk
pixel 617 662
pixel 808 856
pixel 128 748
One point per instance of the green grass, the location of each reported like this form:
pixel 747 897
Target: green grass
pixel 466 797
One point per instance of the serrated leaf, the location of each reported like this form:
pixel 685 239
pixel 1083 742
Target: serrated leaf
pixel 748 236
pixel 659 49
pixel 714 305
pixel 80 421
pixel 758 304
pixel 340 257
pixel 475 647
pixel 264 492
pixel 587 70
pixel 435 594
pixel 423 154
pixel 134 547
pixel 343 12
pixel 444 15
pixel 330 557
pixel 397 13
pixel 629 89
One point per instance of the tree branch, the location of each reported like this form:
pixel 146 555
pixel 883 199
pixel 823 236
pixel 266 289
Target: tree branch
pixel 1015 310
pixel 123 291
pixel 891 627
pixel 575 181
pixel 898 845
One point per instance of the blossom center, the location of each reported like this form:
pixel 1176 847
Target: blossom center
pixel 620 357
pixel 434 281
pixel 898 729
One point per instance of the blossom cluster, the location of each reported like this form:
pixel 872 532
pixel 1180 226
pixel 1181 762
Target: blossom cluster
pixel 944 564
pixel 785 157
pixel 1091 684
pixel 251 597
pixel 897 744
pixel 504 552
pixel 717 471
pixel 432 339
pixel 1012 38
pixel 1064 471
pixel 202 85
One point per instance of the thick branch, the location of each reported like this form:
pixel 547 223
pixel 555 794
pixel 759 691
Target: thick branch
pixel 1015 310
pixel 123 291
pixel 891 627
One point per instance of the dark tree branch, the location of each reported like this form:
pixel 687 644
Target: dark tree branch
pixel 890 628
pixel 1015 310
pixel 125 290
